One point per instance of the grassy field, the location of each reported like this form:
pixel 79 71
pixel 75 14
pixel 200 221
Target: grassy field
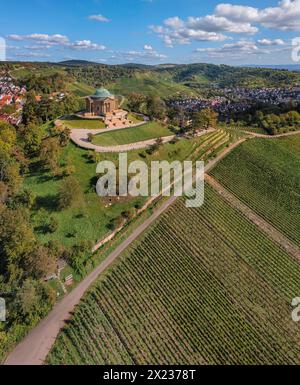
pixel 90 217
pixel 76 122
pixel 265 174
pixel 131 135
pixel 203 286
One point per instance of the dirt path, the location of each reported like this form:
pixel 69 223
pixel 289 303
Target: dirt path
pixel 265 136
pixel 266 227
pixel 35 347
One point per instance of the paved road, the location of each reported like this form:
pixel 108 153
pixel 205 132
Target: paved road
pixel 34 349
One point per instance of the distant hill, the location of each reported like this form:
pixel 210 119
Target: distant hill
pixel 82 77
pixel 136 65
pixel 289 67
pixel 77 63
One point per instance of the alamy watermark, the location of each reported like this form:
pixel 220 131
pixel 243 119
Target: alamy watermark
pixel 2 49
pixel 162 178
pixel 2 310
pixel 296 311
pixel 296 49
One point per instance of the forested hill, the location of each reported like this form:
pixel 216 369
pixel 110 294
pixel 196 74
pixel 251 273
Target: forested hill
pixel 165 80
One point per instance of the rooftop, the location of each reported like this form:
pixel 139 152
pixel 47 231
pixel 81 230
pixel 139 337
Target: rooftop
pixel 102 93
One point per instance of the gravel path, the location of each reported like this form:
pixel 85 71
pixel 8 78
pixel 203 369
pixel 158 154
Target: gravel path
pixel 80 138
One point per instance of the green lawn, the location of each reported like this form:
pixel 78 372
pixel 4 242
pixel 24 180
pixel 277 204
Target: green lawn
pixel 131 135
pixel 265 174
pixel 135 118
pixel 76 122
pixel 88 220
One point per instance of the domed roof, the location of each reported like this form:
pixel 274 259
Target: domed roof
pixel 102 93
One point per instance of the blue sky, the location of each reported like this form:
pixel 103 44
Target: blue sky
pixel 151 31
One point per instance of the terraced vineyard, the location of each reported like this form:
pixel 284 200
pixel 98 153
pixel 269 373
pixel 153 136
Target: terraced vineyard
pixel 203 286
pixel 265 174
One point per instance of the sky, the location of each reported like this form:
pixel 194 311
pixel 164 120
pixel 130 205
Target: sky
pixel 152 31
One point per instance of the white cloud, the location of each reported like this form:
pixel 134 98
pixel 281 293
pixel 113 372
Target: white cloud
pixel 268 42
pixel 174 22
pixel 131 56
pixel 87 45
pixel 237 49
pixel 242 49
pixel 45 41
pixel 238 13
pixel 32 55
pixel 37 47
pixel 100 18
pixel 229 19
pixel 56 39
pixel 213 23
pixel 171 34
pixel 148 47
pixel 286 16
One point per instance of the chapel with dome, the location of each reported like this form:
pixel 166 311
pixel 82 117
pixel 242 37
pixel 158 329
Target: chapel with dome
pixel 101 103
pixel 105 106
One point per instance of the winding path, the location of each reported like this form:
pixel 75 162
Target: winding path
pixel 81 138
pixel 265 136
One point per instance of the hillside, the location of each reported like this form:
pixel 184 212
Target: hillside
pixel 164 80
pixel 265 175
pixel 180 298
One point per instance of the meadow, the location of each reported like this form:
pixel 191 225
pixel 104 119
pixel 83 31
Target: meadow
pixel 90 217
pixel 265 175
pixel 147 131
pixel 202 286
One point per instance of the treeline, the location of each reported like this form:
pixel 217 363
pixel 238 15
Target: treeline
pixel 99 75
pixel 152 106
pixel 227 76
pixel 156 109
pixel 46 84
pixel 273 119
pixel 39 112
pixel 24 261
pixel 278 124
